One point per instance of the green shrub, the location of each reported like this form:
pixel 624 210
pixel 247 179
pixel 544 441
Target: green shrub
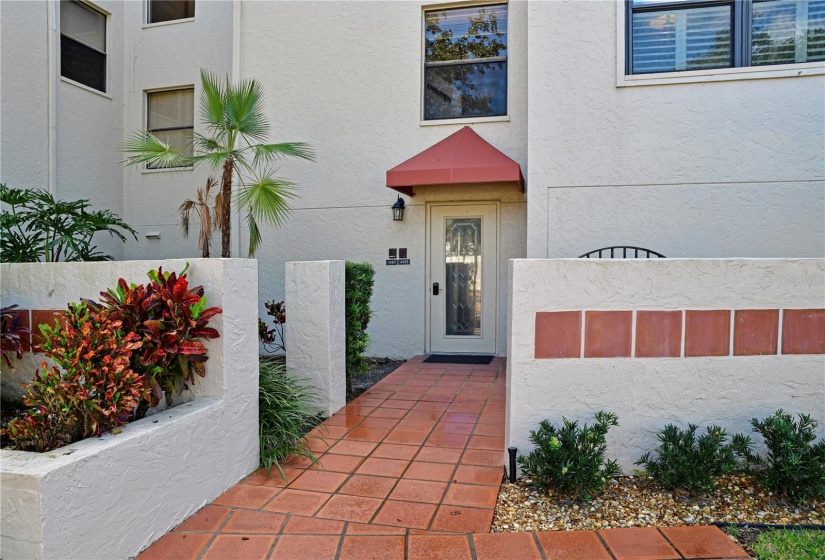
pixel 787 544
pixel 39 227
pixel 690 462
pixel 286 413
pixel 358 292
pixel 91 389
pixel 570 460
pixel 794 465
pixel 272 339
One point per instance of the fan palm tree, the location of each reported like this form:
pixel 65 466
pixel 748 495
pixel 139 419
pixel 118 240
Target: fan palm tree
pixel 234 144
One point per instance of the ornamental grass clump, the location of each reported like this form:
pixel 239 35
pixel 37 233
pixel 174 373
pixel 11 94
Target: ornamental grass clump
pixel 794 466
pixel 571 460
pixel 286 412
pixel 693 463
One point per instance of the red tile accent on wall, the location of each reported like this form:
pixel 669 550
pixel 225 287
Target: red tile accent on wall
pixel 47 317
pixel 707 333
pixel 607 334
pixel 558 334
pixel 658 334
pixel 755 332
pixel 803 331
pixel 25 339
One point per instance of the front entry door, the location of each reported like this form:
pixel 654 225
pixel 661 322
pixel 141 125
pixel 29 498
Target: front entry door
pixel 463 265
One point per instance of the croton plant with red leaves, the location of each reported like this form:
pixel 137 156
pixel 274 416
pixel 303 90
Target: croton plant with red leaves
pixel 171 319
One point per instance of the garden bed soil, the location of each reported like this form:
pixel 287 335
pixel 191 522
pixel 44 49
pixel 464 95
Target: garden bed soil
pixel 637 502
pixel 379 368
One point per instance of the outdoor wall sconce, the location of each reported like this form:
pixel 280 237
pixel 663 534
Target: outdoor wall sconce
pixel 398 210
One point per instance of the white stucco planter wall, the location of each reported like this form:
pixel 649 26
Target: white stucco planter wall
pixel 110 497
pixel 317 328
pixel 648 393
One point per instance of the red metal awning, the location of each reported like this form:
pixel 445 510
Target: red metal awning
pixel 461 158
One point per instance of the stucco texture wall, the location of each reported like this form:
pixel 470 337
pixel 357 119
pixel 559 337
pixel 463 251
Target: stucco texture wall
pixel 648 393
pixel 352 89
pixel 733 168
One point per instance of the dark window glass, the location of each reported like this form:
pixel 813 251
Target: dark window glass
pixel 170 10
pixel 171 117
pixel 83 45
pixel 465 62
pixel 81 64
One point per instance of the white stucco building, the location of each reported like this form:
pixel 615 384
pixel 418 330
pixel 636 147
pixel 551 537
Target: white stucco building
pixel 694 131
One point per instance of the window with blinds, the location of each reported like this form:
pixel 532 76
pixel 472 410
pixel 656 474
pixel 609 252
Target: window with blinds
pixel 169 10
pixel 83 44
pixel 465 62
pixel 678 35
pixel 171 117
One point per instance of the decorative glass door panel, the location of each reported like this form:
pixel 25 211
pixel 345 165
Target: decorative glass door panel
pixel 463 256
pixel 463 267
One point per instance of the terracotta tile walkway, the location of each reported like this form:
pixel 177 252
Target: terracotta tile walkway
pixel 410 469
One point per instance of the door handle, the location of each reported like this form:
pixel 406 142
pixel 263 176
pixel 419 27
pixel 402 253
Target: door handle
pixel 435 289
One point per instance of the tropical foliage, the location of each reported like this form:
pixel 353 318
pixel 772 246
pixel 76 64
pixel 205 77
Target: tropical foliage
pixel 38 227
pixel 171 319
pixel 208 217
pixel 272 339
pixel 233 116
pixel 13 333
pixel 91 388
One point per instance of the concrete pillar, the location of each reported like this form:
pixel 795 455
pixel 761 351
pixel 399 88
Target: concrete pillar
pixel 314 296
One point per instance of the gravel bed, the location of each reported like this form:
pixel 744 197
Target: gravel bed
pixel 634 501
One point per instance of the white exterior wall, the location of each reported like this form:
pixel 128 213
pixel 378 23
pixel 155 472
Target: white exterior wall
pixel 110 497
pixel 647 393
pixel 729 168
pixel 346 78
pixel 314 296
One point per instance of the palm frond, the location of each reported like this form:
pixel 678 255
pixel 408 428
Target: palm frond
pixel 206 144
pixel 216 158
pixel 269 152
pixel 212 100
pixel 184 210
pixel 151 150
pixel 217 213
pixel 255 237
pixel 266 198
pixel 244 109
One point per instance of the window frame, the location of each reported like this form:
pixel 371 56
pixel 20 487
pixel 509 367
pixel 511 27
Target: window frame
pixel 146 95
pixel 147 17
pixel 422 27
pixel 106 67
pixel 741 41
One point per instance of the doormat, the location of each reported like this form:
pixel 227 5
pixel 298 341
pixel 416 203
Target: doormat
pixel 456 359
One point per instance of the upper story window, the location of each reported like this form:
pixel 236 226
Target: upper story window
pixel 83 44
pixel 465 62
pixel 171 117
pixel 170 10
pixel 676 35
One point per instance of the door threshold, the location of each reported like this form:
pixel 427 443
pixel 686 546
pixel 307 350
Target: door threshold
pixel 471 359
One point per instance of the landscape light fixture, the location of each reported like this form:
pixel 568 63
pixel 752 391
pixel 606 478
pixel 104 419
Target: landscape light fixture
pixel 398 210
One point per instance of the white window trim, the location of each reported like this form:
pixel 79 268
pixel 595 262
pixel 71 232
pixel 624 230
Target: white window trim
pixel 462 120
pixel 106 15
pixel 145 120
pixel 146 17
pixel 699 76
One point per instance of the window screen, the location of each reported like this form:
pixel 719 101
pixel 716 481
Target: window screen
pixel 83 45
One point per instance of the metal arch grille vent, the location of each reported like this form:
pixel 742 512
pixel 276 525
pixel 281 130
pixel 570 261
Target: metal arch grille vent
pixel 622 252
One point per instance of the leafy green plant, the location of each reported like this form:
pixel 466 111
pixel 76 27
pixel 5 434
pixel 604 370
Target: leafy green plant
pixel 171 319
pixel 90 389
pixel 794 466
pixel 38 227
pixel 13 334
pixel 690 462
pixel 571 460
pixel 273 338
pixel 784 544
pixel 359 281
pixel 286 413
pixel 234 116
